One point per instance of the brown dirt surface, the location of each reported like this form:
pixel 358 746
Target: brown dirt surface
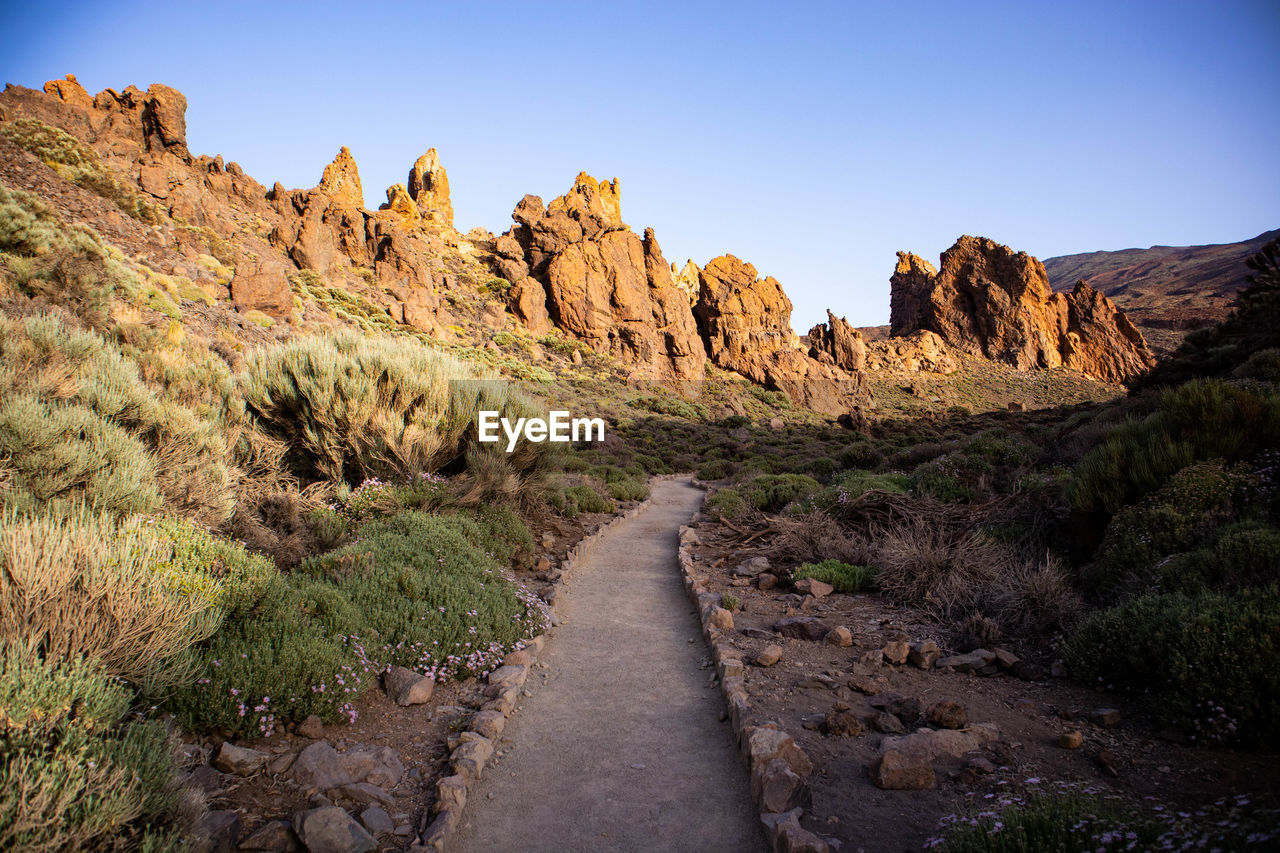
pixel 813 677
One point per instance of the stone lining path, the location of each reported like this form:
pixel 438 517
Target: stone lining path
pixel 622 747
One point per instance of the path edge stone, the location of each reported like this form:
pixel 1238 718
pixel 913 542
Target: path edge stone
pixel 783 829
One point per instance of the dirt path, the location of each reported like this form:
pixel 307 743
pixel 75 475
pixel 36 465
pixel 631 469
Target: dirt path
pixel 621 747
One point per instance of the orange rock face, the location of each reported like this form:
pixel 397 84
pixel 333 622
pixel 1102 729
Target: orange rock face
pixel 601 282
pixel 341 181
pixel 989 301
pixel 429 188
pixel 745 323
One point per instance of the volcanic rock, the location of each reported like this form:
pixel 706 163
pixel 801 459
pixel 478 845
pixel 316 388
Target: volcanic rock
pixel 989 301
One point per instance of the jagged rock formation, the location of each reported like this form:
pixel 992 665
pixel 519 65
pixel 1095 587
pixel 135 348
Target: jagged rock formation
pixel 745 322
pixel 325 229
pixel 836 342
pixel 576 264
pixel 989 301
pixel 429 188
pixel 687 278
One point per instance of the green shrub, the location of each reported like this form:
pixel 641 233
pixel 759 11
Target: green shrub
pixel 628 490
pixel 715 469
pixel 940 479
pixel 735 422
pixel 64 455
pixel 587 499
pixel 772 492
pixel 1180 516
pixel 1060 820
pixel 842 576
pixel 75 774
pixel 860 454
pixel 354 408
pixel 821 469
pixel 665 404
pixel 1192 655
pixel 1200 420
pixel 726 503
pixel 414 589
pixel 729 601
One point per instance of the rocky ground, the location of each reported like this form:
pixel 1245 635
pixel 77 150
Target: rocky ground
pixel 902 729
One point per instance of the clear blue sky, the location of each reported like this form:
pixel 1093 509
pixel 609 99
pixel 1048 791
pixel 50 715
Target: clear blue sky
pixel 812 141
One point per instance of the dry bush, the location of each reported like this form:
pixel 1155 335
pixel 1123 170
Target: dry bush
pixel 78 387
pixel 276 525
pixel 86 586
pixel 952 573
pixel 815 537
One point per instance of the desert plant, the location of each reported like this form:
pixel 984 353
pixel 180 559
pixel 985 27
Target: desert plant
pixel 356 408
pixel 86 586
pixel 955 572
pixel 75 773
pixel 726 503
pixel 1199 420
pixel 729 601
pixel 1215 650
pixel 79 424
pixel 843 576
pixel 772 492
pixel 587 499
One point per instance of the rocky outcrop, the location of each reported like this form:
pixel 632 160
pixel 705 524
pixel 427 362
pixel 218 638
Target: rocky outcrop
pixel 599 281
pixel 341 181
pixel 836 342
pixel 429 188
pixel 989 301
pixel 687 278
pixel 745 323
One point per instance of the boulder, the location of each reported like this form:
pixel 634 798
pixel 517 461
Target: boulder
pixel 897 772
pixel 929 745
pixel 801 628
pixel 379 766
pixel 377 821
pixel 988 301
pixel 406 687
pixel 259 284
pixel 814 587
pixel 770 655
pixel 896 652
pixel 276 836
pixel 320 767
pixel 330 829
pixel 216 832
pixel 921 351
pixel 763 744
pixel 947 714
pixel 312 727
pixel 777 788
pixel 238 760
pixel 840 637
pixel 970 662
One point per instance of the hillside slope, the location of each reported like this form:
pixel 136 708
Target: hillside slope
pixel 1167 290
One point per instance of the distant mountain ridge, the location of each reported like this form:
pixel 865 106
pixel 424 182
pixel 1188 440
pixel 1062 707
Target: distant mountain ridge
pixel 1166 290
